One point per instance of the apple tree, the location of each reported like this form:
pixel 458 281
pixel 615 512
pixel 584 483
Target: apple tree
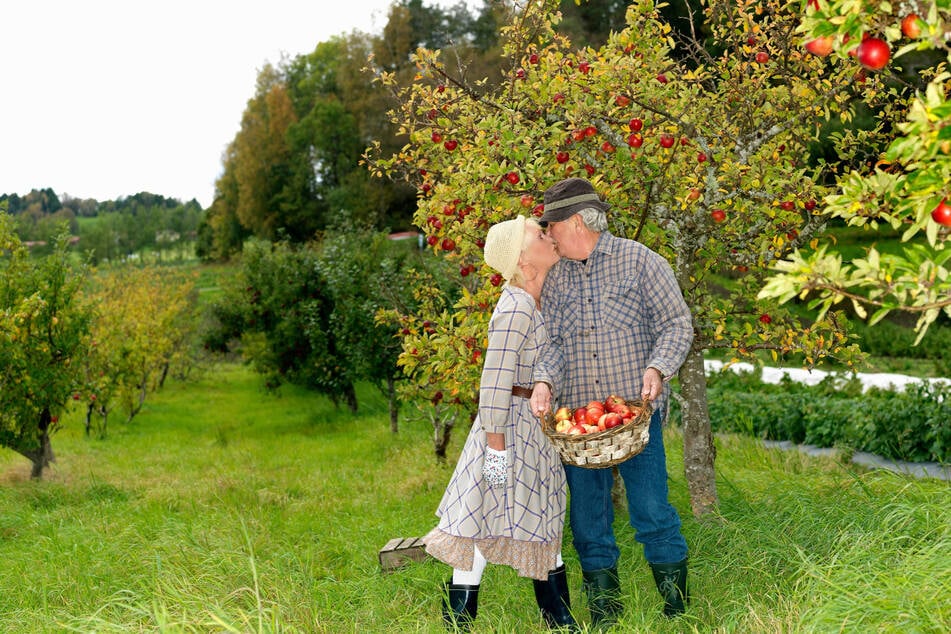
pixel 144 322
pixel 43 335
pixel 699 143
pixel 907 186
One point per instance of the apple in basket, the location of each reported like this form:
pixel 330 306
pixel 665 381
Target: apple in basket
pixel 594 412
pixel 576 429
pixel 563 426
pixel 610 420
pixel 563 413
pixel 614 399
pixel 580 414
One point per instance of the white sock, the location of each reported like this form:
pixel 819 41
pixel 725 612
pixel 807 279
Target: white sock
pixel 470 577
pixel 559 562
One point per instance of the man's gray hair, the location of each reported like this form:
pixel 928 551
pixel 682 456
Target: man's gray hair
pixel 594 219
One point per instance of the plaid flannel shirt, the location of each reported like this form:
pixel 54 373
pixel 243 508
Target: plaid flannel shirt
pixel 609 318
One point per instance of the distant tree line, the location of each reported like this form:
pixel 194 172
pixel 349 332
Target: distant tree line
pixel 107 230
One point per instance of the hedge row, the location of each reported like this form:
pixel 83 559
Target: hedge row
pixel 912 425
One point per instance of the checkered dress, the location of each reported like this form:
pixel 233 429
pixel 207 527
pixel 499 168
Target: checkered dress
pixel 520 525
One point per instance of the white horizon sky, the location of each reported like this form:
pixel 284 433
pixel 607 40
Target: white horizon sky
pixel 107 98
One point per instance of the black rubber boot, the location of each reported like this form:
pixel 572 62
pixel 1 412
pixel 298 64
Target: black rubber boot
pixel 603 589
pixel 671 580
pixel 460 605
pixel 554 600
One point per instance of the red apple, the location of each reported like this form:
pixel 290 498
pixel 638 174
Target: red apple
pixel 873 53
pixel 578 135
pixel 576 429
pixel 942 213
pixel 662 78
pixel 590 131
pixel 451 144
pixel 584 67
pixel 667 140
pixel 520 73
pixel 512 177
pixel 762 57
pixel 610 420
pixel 820 46
pixel 910 26
pixel 533 58
pixel 701 157
pixel 592 415
pixel 495 280
pixel 613 399
pixel 527 200
pixel 765 319
pixel 635 140
pixel 693 194
pixel 437 138
pixel 787 205
pixel 718 215
pixel 448 244
pixel 561 157
pixel 635 125
pixel 619 408
pixel 579 415
pixel 607 147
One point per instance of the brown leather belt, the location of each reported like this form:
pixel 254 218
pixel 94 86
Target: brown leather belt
pixel 524 392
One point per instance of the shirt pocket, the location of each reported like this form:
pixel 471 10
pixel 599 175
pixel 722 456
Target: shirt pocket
pixel 620 306
pixel 567 323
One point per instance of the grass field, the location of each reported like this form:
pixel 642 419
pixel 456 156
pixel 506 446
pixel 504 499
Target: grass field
pixel 225 509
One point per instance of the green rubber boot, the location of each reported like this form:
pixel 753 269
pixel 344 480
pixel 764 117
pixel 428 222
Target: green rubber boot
pixel 603 589
pixel 671 580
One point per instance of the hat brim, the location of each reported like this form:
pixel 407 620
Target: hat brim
pixel 563 213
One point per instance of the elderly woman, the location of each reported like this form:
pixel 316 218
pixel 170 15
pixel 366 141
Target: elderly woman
pixel 506 500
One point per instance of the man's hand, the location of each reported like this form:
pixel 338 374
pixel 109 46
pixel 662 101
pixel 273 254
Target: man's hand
pixel 653 384
pixel 541 399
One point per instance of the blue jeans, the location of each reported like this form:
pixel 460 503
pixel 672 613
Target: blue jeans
pixel 655 521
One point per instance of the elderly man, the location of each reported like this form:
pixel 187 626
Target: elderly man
pixel 618 325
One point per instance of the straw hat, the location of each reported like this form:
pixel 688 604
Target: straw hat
pixel 503 245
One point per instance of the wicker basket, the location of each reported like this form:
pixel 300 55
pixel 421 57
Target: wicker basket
pixel 605 448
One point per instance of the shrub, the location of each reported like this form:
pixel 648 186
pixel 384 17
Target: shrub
pixel 907 425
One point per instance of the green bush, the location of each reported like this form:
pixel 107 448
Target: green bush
pixel 911 425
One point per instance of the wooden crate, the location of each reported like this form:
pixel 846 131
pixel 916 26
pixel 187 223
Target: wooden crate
pixel 401 551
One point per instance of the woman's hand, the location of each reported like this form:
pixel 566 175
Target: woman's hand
pixel 541 399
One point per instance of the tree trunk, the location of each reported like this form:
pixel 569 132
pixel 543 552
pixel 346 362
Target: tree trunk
pixel 42 456
pixel 394 404
pixel 699 450
pixel 350 397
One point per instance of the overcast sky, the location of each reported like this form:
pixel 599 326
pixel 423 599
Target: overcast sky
pixel 108 98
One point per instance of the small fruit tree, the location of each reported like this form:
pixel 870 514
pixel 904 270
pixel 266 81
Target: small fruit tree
pixel 908 187
pixel 43 326
pixel 144 323
pixel 699 146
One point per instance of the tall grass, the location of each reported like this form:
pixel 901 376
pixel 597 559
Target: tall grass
pixel 225 509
